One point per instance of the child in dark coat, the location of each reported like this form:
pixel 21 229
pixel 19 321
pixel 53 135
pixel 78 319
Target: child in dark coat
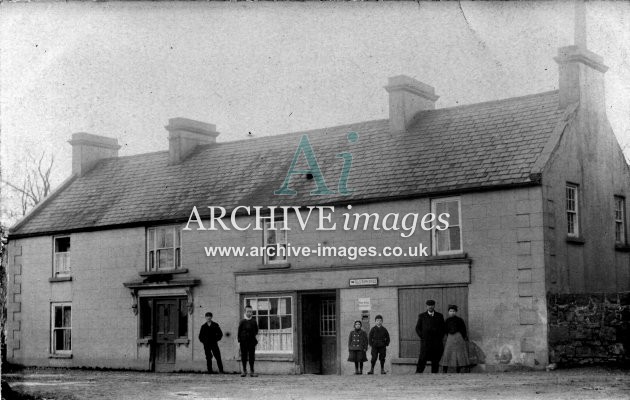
pixel 357 346
pixel 378 340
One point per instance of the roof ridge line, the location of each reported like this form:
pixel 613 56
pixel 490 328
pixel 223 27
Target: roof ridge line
pixel 489 102
pixel 326 128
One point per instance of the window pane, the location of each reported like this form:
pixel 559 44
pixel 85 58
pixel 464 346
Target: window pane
pixel 67 339
pixel 443 243
pixel 146 310
pixel 282 237
pixel 178 237
pixel 58 339
pixel 282 306
pixel 62 245
pixel 285 322
pixel 169 237
pixel 440 208
pixel 274 322
pixel 165 258
pixel 273 305
pixel 151 261
pixel 151 239
pixel 263 322
pixel 453 210
pixel 161 237
pixel 67 317
pixel 58 317
pixel 271 237
pixel 183 318
pixel 454 238
pixel 178 261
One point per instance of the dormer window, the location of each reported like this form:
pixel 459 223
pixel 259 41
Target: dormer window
pixel 164 248
pixel 61 256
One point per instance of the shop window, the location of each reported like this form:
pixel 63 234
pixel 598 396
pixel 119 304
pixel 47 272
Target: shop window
pixel 274 316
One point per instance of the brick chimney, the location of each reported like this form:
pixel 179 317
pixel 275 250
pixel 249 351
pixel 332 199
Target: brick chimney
pixel 88 149
pixel 185 134
pixel 407 96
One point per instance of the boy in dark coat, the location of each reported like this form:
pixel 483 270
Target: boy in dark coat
pixel 379 340
pixel 209 335
pixel 247 331
pixel 430 328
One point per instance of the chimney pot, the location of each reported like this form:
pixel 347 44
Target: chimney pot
pixel 88 149
pixel 407 97
pixel 184 135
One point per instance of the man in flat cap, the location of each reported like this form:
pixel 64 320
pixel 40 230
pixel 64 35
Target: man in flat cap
pixel 431 329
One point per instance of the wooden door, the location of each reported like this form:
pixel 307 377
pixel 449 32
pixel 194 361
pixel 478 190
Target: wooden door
pixel 166 321
pixel 411 302
pixel 328 335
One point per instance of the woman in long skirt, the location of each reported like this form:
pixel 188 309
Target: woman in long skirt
pixel 456 349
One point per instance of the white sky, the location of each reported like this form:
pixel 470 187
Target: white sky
pixel 123 69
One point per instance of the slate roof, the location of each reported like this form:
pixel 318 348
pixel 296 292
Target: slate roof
pixel 451 149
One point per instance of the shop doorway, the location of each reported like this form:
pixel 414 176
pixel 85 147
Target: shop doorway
pixel 319 321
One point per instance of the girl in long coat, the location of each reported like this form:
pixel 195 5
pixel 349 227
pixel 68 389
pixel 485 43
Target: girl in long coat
pixel 456 349
pixel 357 346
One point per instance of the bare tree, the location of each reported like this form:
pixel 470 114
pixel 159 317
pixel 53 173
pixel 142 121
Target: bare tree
pixel 35 185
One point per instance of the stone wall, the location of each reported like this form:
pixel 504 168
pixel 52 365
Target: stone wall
pixel 589 328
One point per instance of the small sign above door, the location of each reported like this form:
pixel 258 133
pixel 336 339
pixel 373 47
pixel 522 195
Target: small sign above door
pixel 364 282
pixel 364 304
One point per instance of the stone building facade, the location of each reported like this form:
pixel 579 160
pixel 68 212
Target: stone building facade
pixel 103 273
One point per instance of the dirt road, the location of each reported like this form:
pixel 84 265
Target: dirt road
pixel 587 383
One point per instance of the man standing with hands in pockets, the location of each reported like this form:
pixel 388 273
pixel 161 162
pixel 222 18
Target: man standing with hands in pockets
pixel 209 335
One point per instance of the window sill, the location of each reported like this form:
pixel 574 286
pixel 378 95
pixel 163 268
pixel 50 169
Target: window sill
pixel 273 357
pixel 282 265
pixel 184 341
pixel 144 341
pixel 579 240
pixel 60 279
pixel 624 248
pixel 164 272
pixel 60 356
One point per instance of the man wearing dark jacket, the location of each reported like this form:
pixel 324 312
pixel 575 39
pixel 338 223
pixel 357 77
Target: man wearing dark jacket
pixel 247 331
pixel 430 328
pixel 209 335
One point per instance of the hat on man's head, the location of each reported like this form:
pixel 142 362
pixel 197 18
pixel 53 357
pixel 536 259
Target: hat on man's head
pixel 452 307
pixel 430 302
